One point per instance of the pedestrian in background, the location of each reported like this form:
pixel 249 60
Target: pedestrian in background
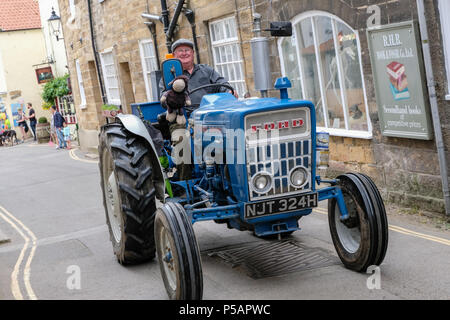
pixel 66 132
pixel 53 135
pixel 22 123
pixel 32 118
pixel 58 122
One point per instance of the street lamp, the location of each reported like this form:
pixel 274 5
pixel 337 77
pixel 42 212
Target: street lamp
pixel 55 24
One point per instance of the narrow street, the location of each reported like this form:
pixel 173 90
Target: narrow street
pixel 51 209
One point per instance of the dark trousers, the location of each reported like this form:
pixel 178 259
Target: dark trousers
pixel 33 128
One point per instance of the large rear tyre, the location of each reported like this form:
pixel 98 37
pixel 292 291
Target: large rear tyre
pixel 360 241
pixel 128 193
pixel 178 253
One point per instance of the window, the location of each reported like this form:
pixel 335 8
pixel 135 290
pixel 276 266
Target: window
pixel 322 60
pixel 227 53
pixel 110 77
pixel 444 9
pixel 149 64
pixel 80 84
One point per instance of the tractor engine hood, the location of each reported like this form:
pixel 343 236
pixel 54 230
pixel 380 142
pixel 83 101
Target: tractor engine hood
pixel 227 115
pixel 224 110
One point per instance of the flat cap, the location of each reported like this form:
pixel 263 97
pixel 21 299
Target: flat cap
pixel 180 42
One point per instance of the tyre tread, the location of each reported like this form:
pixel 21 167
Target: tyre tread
pixel 191 287
pixel 365 193
pixel 137 244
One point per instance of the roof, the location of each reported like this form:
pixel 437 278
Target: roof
pixel 19 15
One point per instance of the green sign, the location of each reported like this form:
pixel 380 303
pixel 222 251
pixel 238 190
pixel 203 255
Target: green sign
pixel 399 81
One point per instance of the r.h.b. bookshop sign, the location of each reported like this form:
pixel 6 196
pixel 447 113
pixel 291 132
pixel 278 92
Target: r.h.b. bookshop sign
pixel 399 81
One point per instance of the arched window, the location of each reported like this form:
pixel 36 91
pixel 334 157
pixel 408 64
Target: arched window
pixel 322 59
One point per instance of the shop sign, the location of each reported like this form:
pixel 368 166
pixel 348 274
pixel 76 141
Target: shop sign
pixel 399 81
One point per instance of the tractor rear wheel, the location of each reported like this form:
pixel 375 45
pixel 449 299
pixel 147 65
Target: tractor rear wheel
pixel 129 194
pixel 178 253
pixel 361 240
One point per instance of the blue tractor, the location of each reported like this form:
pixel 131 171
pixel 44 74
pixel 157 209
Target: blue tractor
pixel 254 167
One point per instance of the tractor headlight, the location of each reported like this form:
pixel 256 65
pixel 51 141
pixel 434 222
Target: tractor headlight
pixel 262 182
pixel 299 177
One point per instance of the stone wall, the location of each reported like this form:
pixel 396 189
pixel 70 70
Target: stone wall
pixel 406 170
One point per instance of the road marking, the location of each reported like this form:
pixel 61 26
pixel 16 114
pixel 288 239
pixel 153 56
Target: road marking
pixel 420 235
pixel 39 145
pixel 15 288
pixel 404 231
pixel 74 157
pixel 60 238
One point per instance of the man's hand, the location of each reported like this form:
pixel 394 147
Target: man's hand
pixel 234 93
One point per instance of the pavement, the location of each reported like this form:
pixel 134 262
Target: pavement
pixel 85 155
pixel 4 237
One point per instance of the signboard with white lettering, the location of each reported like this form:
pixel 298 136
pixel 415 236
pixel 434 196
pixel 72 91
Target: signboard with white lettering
pixel 399 81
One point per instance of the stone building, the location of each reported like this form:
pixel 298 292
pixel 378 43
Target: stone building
pixel 328 59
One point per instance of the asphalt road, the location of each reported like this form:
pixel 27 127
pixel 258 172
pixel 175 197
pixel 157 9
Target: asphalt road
pixel 51 209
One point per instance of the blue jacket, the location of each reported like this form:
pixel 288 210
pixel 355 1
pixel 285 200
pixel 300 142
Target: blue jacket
pixel 58 120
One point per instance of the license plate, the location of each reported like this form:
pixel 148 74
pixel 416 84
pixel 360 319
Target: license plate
pixel 283 205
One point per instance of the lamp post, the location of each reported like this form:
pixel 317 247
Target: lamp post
pixel 55 24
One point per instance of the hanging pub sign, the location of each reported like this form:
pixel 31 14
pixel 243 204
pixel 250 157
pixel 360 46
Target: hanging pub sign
pixel 44 74
pixel 399 81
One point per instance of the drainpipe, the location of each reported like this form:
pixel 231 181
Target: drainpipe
pixel 152 27
pixel 165 15
pixel 433 103
pixel 189 14
pixel 173 23
pixel 97 65
pixel 165 20
pixel 152 17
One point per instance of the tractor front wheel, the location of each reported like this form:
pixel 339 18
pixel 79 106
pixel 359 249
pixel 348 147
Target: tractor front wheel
pixel 361 240
pixel 178 253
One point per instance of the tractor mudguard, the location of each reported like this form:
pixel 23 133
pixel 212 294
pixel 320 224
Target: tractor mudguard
pixel 135 125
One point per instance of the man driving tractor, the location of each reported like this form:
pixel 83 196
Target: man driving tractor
pixel 197 75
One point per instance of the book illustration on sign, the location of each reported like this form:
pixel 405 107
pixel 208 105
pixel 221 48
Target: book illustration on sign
pixel 398 81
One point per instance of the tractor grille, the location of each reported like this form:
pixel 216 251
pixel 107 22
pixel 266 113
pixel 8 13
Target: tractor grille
pixel 278 157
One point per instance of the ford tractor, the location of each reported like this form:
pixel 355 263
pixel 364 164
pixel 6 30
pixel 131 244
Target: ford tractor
pixel 254 166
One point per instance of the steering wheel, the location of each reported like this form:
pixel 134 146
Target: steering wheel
pixel 213 85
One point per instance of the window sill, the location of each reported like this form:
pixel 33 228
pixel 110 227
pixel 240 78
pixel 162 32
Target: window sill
pixel 346 133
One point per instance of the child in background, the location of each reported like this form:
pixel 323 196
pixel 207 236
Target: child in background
pixel 66 133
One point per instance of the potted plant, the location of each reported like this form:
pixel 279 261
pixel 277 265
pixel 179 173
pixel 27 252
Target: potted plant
pixel 110 110
pixel 55 88
pixel 43 130
pixel 46 105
